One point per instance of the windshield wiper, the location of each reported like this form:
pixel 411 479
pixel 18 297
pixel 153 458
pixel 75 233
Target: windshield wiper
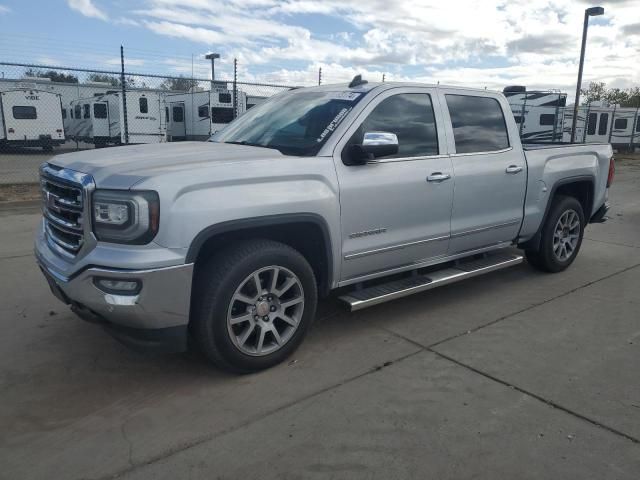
pixel 249 144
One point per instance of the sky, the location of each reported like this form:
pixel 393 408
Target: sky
pixel 488 43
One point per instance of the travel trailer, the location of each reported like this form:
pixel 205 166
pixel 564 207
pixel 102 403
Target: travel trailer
pixel 31 118
pixel 199 114
pixel 188 116
pixel 100 120
pixel 599 122
pixel 538 113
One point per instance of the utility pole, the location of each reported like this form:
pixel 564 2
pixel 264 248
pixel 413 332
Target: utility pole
pixel 383 77
pixel 212 57
pixel 589 12
pixel 320 76
pixel 124 96
pixel 235 88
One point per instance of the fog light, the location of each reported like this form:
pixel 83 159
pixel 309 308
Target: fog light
pixel 118 287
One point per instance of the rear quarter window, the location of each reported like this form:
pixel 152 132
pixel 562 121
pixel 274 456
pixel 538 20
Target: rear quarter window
pixel 478 123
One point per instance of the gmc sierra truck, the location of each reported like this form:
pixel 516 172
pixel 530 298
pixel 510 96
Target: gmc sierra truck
pixel 378 190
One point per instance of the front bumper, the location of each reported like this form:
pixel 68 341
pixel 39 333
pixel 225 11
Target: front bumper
pixel 155 318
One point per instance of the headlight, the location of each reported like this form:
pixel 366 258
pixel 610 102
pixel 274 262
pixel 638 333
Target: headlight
pixel 123 216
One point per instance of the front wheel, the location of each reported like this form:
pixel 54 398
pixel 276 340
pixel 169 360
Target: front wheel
pixel 562 235
pixel 254 303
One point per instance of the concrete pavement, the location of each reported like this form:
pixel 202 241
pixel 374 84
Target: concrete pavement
pixel 516 374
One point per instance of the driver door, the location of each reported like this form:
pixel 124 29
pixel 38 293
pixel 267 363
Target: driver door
pixel 396 210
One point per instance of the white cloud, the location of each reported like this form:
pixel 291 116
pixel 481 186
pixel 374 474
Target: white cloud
pixel 87 8
pixel 4 9
pixel 490 43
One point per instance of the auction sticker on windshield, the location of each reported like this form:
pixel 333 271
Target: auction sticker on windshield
pixel 348 96
pixel 334 123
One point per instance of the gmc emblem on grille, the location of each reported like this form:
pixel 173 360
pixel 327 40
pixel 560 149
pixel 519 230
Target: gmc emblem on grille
pixel 51 203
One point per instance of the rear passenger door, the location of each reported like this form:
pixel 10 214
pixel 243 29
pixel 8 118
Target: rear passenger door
pixel 490 175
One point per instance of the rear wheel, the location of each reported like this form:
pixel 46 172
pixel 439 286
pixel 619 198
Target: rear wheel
pixel 562 235
pixel 254 304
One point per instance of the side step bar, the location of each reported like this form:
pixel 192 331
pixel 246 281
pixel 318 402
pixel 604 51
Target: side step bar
pixel 466 268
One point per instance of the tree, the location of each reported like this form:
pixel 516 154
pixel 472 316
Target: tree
pixel 53 75
pixel 179 83
pixel 112 80
pixel 104 78
pixel 598 91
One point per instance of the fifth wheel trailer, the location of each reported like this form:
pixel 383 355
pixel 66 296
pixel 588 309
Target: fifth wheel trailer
pixel 538 113
pixel 599 122
pixel 31 118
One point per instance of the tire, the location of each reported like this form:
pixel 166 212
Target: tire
pixel 47 148
pixel 228 309
pixel 561 240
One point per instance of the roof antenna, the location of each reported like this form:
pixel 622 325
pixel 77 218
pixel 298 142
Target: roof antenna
pixel 357 81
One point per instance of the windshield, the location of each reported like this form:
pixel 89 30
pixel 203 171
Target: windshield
pixel 298 122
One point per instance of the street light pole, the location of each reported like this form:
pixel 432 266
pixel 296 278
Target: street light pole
pixel 589 12
pixel 212 57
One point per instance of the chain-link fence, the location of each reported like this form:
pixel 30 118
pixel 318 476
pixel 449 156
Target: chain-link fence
pixel 48 110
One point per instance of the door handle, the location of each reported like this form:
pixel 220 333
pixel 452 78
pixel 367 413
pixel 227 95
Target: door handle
pixel 513 169
pixel 438 177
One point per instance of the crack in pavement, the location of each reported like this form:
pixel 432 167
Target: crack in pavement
pixel 504 317
pixel 207 438
pixel 540 398
pixel 22 255
pixel 431 348
pixel 611 243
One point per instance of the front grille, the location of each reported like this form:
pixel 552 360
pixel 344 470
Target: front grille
pixel 63 207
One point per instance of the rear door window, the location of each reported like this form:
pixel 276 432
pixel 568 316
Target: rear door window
pixel 478 124
pixel 224 97
pixel 26 112
pixel 602 126
pixel 203 111
pixel 144 105
pixel 78 111
pixel 178 114
pixel 591 124
pixel 85 110
pixel 99 110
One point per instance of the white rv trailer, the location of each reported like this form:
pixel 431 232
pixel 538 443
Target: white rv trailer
pixel 100 120
pixel 188 116
pixel 538 113
pixel 31 118
pixel 599 122
pixel 197 115
pixel 222 107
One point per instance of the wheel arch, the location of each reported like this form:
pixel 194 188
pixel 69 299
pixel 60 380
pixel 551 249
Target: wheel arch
pixel 306 232
pixel 582 188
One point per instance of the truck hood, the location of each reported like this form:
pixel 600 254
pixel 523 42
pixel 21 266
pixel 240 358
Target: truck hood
pixel 123 167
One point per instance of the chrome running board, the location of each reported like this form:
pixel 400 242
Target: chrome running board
pixel 461 270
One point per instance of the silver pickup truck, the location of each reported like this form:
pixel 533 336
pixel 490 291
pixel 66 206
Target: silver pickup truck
pixel 377 190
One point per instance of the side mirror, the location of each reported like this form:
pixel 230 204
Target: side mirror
pixel 374 145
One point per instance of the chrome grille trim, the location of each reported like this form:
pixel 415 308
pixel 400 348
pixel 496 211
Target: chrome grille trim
pixel 65 206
